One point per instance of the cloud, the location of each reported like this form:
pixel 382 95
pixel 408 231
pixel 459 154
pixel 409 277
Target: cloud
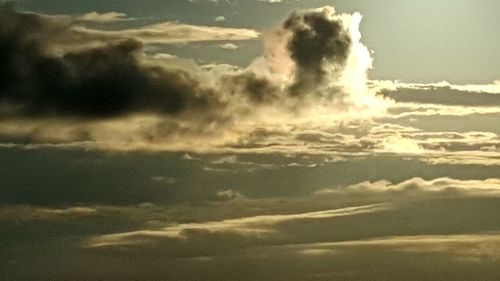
pixel 419 188
pixel 99 82
pixel 380 222
pixel 388 85
pixel 172 32
pixel 290 176
pixel 108 17
pixel 409 223
pixel 445 95
pixel 103 81
pixel 475 248
pixel 164 180
pixel 256 88
pixel 29 213
pixel 258 225
pixel 220 19
pixel 407 197
pixel 229 46
pixel 319 45
pixel 272 1
pixel 322 52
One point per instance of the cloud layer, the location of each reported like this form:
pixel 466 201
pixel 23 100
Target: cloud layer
pixel 444 223
pixel 125 159
pixel 55 68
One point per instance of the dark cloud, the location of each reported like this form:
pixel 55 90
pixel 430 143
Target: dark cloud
pixel 99 82
pixel 50 68
pixel 43 77
pixel 256 89
pixel 317 41
pixel 53 69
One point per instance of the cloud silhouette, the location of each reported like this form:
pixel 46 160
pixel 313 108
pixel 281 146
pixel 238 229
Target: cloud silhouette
pixel 318 40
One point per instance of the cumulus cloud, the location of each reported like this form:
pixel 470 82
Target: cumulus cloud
pixel 299 175
pixel 54 69
pixel 319 44
pixel 418 188
pixel 93 83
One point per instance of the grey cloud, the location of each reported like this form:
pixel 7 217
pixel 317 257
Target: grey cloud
pixel 317 40
pixel 249 226
pixel 52 69
pixel 91 18
pixel 98 82
pixel 413 198
pixel 39 79
pixel 256 89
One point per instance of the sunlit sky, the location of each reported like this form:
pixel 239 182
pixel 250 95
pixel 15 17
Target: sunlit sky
pixel 293 140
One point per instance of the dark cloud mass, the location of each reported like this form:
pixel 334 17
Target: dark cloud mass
pixel 47 71
pixel 97 82
pixel 256 89
pixel 317 41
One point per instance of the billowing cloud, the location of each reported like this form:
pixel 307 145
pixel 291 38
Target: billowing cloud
pixel 93 83
pixel 292 100
pixel 109 80
pixel 275 171
pixel 319 44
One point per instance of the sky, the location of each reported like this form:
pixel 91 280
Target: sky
pixel 249 140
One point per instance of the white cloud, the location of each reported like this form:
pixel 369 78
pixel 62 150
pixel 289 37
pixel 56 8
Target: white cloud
pixel 164 56
pixel 229 46
pixel 379 85
pixel 103 17
pixel 220 19
pixel 272 1
pixel 172 32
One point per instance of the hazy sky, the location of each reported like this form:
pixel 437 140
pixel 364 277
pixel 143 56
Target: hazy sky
pixel 249 140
